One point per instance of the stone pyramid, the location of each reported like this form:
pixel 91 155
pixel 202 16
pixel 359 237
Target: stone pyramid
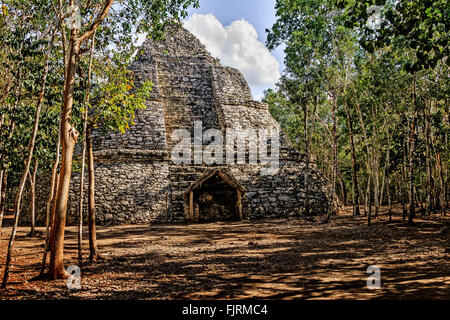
pixel 137 180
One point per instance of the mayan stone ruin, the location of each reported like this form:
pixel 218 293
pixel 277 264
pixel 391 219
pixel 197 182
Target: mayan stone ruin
pixel 136 179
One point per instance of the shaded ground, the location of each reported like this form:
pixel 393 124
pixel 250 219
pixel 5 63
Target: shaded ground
pixel 271 259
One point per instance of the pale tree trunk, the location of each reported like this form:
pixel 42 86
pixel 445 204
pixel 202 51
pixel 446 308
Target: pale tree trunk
pixel 388 180
pixel 306 137
pixel 18 199
pixel 93 250
pixel 388 191
pixel 369 202
pixel 376 185
pixel 355 188
pixel 54 181
pixel 69 139
pixel 3 185
pixel 442 201
pixel 405 193
pixel 342 185
pixel 370 172
pixel 2 174
pixel 32 179
pixel 81 193
pixel 412 143
pixel 334 156
pixel 83 155
pixel 429 189
pixel 383 183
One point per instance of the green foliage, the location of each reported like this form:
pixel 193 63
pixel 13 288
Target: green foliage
pixel 332 54
pixel 117 98
pixel 421 25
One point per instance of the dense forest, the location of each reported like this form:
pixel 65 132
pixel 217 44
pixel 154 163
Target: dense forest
pixel 365 94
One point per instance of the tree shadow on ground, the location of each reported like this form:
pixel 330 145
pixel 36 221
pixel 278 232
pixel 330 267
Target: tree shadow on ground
pixel 271 259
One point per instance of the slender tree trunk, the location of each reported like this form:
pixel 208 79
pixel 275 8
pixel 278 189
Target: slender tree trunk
pixel 81 203
pixel 2 174
pixel 376 185
pixel 50 210
pixel 83 156
pixel 342 186
pixel 367 198
pixel 334 159
pixel 4 184
pixel 369 203
pixel 32 179
pixel 429 200
pixel 91 202
pixel 404 181
pixel 355 188
pixel 420 200
pixel 306 137
pixel 412 141
pixel 18 199
pixel 388 191
pixel 442 201
pixel 383 185
pixel 69 138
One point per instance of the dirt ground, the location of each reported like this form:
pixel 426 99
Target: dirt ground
pixel 270 259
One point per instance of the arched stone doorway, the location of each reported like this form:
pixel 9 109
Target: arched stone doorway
pixel 216 196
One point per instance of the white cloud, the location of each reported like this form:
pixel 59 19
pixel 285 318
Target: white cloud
pixel 237 46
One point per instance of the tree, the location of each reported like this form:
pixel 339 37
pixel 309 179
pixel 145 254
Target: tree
pixel 420 25
pixel 394 103
pixel 317 58
pixel 31 145
pixel 116 99
pixel 149 16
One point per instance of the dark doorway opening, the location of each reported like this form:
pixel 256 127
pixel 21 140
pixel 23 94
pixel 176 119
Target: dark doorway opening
pixel 214 197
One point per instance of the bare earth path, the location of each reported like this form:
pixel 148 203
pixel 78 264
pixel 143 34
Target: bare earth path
pixel 271 259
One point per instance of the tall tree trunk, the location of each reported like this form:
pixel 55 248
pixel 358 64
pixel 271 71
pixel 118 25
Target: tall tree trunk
pixel 4 184
pixel 2 174
pixel 442 201
pixel 429 189
pixel 32 179
pixel 376 185
pixel 18 199
pixel 4 187
pixel 83 156
pixel 388 191
pixel 405 194
pixel 91 202
pixel 355 188
pixel 387 179
pixel 81 193
pixel 69 138
pixel 412 143
pixel 306 137
pixel 51 202
pixel 334 159
pixel 369 202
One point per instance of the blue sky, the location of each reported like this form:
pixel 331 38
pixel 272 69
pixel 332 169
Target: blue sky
pixel 258 13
